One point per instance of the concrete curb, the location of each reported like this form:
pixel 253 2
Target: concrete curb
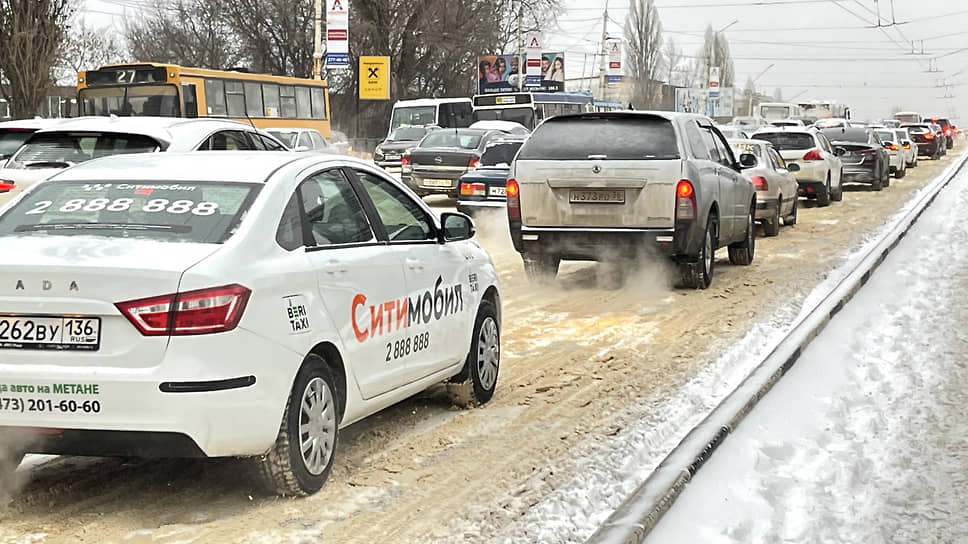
pixel 632 521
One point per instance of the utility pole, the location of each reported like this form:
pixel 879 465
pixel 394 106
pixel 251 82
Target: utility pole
pixel 318 41
pixel 522 68
pixel 602 78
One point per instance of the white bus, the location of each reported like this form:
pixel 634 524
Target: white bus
pixel 822 109
pixel 530 108
pixel 774 111
pixel 908 117
pixel 443 112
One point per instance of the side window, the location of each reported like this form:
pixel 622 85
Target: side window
pixel 289 234
pixel 319 103
pixel 696 141
pixel 707 138
pixel 465 113
pixel 303 107
pixel 253 100
pixel 304 141
pixel 234 99
pixel 215 96
pixel 824 143
pixel 227 140
pixel 404 219
pixel 270 95
pixel 317 139
pixel 445 116
pixel 256 142
pixel 725 153
pixel 269 143
pixel 287 99
pixel 333 211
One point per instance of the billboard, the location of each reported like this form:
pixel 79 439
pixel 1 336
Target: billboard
pixel 699 101
pixel 500 73
pixel 337 35
pixel 614 47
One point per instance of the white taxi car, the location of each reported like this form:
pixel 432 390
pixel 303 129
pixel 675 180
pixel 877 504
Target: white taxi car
pixel 232 304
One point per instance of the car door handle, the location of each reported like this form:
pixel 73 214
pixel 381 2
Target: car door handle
pixel 333 267
pixel 415 264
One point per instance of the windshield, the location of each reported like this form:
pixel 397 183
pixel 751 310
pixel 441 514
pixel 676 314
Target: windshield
pixel 11 140
pixel 885 135
pixel 908 117
pixel 787 140
pixel 608 138
pixel 287 137
pixel 63 149
pixel 407 134
pixel 500 153
pixel 774 112
pixel 134 101
pixel 169 212
pixel 452 138
pixel 523 115
pixel 413 115
pixel 858 135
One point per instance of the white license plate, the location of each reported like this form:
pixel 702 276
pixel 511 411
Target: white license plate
pixel 437 183
pixel 391 156
pixel 497 191
pixel 43 332
pixel 597 196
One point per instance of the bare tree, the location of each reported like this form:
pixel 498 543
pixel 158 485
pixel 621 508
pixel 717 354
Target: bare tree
pixel 84 49
pixel 533 15
pixel 673 60
pixel 715 52
pixel 643 35
pixel 187 32
pixel 276 36
pixel 31 32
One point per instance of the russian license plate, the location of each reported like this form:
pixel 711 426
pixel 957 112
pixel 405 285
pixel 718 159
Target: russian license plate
pixel 437 183
pixel 42 332
pixel 598 196
pixel 391 156
pixel 497 191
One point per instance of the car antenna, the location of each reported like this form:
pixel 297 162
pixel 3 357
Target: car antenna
pixel 249 119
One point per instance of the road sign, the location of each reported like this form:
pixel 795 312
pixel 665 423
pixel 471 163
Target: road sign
pixel 374 78
pixel 337 34
pixel 533 42
pixel 714 82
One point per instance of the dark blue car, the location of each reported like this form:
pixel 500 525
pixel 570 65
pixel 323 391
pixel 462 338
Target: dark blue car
pixel 483 187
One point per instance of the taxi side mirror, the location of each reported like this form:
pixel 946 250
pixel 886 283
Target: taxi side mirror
pixel 793 167
pixel 457 227
pixel 748 160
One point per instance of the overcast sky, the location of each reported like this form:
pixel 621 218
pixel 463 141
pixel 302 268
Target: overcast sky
pixel 822 49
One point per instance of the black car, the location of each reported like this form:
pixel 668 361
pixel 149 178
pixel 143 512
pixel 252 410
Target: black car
pixel 939 135
pixel 946 127
pixel 929 145
pixel 389 152
pixel 483 187
pixel 443 156
pixel 863 156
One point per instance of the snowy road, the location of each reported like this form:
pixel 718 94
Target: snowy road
pixel 865 439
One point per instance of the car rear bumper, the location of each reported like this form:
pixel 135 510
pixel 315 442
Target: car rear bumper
pixel 927 149
pixel 859 175
pixel 211 395
pixel 470 207
pixel 605 244
pixel 765 208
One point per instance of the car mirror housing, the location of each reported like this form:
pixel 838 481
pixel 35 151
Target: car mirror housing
pixel 839 151
pixel 748 160
pixel 456 227
pixel 793 167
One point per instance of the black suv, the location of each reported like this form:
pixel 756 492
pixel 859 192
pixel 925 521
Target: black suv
pixel 945 124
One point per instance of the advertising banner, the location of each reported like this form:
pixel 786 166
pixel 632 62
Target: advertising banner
pixel 699 101
pixel 337 34
pixel 614 48
pixel 500 73
pixel 374 78
pixel 532 53
pixel 714 82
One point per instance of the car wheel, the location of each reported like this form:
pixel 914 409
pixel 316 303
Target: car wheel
pixel 901 173
pixel 477 380
pixel 886 179
pixel 741 253
pixel 838 195
pixel 302 456
pixel 771 227
pixel 541 267
pixel 823 197
pixel 698 274
pixel 791 219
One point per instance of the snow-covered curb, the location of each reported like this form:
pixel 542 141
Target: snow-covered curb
pixel 636 516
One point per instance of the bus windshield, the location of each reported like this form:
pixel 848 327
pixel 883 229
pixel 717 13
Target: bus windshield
pixel 524 115
pixel 413 115
pixel 131 101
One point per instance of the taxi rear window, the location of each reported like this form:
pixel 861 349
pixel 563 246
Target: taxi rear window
pixel 198 212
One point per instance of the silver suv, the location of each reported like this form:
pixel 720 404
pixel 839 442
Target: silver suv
pixel 607 186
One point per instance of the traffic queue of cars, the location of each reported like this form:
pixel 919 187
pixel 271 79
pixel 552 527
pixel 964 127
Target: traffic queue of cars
pixel 191 288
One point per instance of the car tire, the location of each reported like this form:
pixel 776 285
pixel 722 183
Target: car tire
pixel 791 219
pixel 886 180
pixel 9 461
pixel 477 380
pixel 771 227
pixel 900 173
pixel 286 470
pixel 838 195
pixel 823 197
pixel 541 267
pixel 698 274
pixel 742 253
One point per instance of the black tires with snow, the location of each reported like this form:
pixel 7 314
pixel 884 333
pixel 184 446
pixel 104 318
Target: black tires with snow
pixel 771 226
pixel 541 267
pixel 477 380
pixel 823 196
pixel 698 274
pixel 791 219
pixel 302 456
pixel 742 253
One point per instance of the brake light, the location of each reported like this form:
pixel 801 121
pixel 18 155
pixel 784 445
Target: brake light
pixel 947 132
pixel 759 182
pixel 473 163
pixel 813 155
pixel 405 160
pixel 892 147
pixel 6 187
pixel 929 136
pixel 685 201
pixel 205 311
pixel 907 146
pixel 472 189
pixel 512 191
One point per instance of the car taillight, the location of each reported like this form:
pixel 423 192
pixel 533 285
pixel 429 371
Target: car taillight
pixel 6 187
pixel 929 136
pixel 204 311
pixel 947 132
pixel 759 182
pixel 473 163
pixel 472 189
pixel 512 191
pixel 405 160
pixel 813 155
pixel 892 147
pixel 685 201
pixel 907 146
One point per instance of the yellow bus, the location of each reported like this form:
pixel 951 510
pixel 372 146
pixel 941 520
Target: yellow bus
pixel 169 90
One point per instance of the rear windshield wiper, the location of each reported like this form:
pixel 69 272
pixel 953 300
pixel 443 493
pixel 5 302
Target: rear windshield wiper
pixel 178 229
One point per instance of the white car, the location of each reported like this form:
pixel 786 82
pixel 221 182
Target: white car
pixel 509 127
pixel 908 147
pixel 821 170
pixel 895 150
pixel 787 123
pixel 302 139
pixel 73 141
pixel 13 134
pixel 232 304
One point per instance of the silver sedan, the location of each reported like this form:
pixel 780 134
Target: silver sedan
pixel 776 186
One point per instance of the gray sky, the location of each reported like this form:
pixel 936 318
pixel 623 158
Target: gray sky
pixel 824 49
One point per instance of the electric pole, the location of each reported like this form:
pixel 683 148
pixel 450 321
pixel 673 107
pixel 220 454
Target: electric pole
pixel 318 41
pixel 522 68
pixel 602 79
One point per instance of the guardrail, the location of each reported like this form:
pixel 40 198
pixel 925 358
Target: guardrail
pixel 632 521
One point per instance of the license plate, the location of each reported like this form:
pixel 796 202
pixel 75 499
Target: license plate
pixel 57 333
pixel 437 183
pixel 497 191
pixel 598 197
pixel 391 156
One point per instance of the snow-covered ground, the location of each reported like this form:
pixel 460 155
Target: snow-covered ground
pixel 865 439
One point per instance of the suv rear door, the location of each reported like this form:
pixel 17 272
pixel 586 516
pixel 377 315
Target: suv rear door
pixel 604 170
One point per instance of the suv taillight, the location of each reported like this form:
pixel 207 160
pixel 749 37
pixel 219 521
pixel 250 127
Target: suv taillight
pixel 813 155
pixel 685 201
pixel 759 183
pixel 204 311
pixel 513 194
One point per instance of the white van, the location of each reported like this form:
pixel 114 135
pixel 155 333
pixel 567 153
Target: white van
pixel 442 112
pixel 908 117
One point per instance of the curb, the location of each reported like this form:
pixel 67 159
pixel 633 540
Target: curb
pixel 632 521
